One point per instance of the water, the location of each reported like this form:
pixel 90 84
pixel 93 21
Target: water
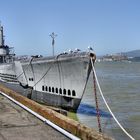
pixel 120 83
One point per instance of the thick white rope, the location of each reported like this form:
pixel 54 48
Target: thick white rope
pixel 108 105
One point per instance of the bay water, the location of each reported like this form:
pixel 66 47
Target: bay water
pixel 120 83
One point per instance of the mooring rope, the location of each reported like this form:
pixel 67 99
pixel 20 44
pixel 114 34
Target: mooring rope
pixel 56 58
pixel 43 75
pixel 96 102
pixel 26 67
pixel 108 105
pixel 30 63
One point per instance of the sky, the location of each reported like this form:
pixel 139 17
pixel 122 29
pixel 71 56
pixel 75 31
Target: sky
pixel 108 26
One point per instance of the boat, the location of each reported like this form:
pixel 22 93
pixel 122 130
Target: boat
pixel 58 81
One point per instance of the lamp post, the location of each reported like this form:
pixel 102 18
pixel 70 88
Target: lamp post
pixel 53 36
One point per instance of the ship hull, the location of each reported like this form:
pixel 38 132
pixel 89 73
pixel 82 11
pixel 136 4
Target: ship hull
pixel 57 81
pixel 67 103
pixel 7 73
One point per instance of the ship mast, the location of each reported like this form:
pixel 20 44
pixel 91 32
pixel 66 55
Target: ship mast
pixel 1 36
pixel 4 49
pixel 53 36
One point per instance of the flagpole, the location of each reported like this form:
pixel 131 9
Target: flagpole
pixel 53 36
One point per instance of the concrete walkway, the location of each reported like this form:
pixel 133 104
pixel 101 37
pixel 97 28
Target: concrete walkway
pixel 18 124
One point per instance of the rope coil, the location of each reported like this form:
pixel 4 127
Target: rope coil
pixel 107 103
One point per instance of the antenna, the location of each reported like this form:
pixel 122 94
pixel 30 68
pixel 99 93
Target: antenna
pixel 1 35
pixel 53 36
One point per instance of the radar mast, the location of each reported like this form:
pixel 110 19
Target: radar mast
pixel 53 36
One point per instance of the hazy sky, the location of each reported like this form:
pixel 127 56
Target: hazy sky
pixel 109 26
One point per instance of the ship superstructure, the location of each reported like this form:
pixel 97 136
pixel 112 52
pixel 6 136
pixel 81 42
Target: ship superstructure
pixel 7 73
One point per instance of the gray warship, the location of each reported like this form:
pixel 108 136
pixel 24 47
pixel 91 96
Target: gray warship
pixel 58 81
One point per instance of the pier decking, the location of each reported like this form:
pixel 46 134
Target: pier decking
pixel 18 124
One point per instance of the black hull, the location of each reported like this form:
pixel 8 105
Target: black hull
pixel 63 102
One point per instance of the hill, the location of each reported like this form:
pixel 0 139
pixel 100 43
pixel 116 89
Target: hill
pixel 134 53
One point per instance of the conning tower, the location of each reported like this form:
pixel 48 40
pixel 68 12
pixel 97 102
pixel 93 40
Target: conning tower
pixel 5 56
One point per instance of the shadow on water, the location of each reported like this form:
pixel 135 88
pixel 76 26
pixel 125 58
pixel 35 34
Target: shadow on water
pixel 90 110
